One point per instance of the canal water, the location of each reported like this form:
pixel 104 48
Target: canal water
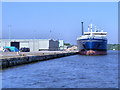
pixel 68 72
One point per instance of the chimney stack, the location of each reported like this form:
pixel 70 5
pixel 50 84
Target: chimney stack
pixel 82 28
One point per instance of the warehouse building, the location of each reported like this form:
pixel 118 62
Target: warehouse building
pixel 33 44
pixel 61 45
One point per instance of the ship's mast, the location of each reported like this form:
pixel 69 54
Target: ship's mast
pixel 88 28
pixel 95 28
pixel 91 29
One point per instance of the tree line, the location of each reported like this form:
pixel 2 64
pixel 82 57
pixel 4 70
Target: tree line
pixel 113 46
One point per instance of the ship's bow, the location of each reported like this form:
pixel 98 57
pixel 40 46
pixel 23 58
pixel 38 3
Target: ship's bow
pixel 92 47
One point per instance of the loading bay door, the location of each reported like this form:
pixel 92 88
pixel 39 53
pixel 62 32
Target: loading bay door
pixel 15 44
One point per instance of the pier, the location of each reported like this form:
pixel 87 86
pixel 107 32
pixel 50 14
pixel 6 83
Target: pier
pixel 10 59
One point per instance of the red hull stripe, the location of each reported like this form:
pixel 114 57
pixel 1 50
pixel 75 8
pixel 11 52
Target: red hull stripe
pixel 91 52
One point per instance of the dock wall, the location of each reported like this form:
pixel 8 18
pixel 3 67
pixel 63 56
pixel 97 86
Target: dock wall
pixel 10 62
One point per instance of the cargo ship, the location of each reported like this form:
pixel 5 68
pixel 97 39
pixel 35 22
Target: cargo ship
pixel 92 42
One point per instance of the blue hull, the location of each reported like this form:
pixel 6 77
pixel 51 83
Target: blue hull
pixel 92 44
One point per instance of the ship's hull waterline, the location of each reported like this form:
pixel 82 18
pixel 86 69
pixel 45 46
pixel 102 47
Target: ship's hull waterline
pixel 92 46
pixel 92 52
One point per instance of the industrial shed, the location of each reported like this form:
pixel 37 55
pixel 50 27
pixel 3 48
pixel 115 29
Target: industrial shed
pixel 33 44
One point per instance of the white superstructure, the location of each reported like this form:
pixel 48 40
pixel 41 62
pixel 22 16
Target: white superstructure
pixel 93 34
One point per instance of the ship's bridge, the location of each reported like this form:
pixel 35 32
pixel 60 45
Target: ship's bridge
pixel 99 34
pixel 93 34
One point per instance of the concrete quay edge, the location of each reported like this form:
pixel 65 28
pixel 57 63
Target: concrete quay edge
pixel 15 61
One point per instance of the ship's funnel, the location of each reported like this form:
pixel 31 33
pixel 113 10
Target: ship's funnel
pixel 82 28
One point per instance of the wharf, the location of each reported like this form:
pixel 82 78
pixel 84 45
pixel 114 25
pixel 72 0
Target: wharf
pixel 9 59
